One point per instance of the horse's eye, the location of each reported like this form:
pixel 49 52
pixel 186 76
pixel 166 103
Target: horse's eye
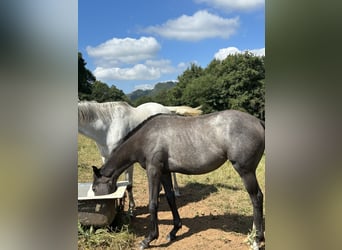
pixel 94 189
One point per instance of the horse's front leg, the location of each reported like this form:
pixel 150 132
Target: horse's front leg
pixel 170 196
pixel 129 178
pixel 154 186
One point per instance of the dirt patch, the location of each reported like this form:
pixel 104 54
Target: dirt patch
pixel 204 226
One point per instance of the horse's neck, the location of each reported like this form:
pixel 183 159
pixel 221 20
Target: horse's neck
pixel 121 159
pixel 96 131
pixel 107 136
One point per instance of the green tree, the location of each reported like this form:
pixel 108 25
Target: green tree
pixel 236 82
pixel 193 72
pixel 143 99
pixel 175 95
pixel 85 79
pixel 245 83
pixel 102 93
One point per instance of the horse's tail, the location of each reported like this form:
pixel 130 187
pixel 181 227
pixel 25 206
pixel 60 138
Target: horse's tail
pixel 185 110
pixel 262 123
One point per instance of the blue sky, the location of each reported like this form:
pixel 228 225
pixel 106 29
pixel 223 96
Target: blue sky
pixel 135 44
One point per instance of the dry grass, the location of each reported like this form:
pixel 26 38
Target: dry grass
pixel 88 155
pixel 104 238
pixel 216 196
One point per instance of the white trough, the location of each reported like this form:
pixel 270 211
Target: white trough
pixel 99 210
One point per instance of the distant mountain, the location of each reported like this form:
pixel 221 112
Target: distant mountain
pixel 159 87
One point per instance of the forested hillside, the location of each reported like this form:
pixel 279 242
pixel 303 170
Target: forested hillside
pixel 150 93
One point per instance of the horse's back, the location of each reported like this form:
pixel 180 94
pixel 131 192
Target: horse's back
pixel 205 140
pixel 229 123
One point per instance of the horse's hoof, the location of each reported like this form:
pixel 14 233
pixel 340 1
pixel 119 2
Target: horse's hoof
pixel 131 213
pixel 261 244
pixel 257 245
pixel 143 245
pixel 170 237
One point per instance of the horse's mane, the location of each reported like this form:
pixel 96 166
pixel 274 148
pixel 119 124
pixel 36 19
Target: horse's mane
pixel 89 111
pixel 185 110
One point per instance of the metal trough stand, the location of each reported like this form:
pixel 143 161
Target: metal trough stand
pixel 99 210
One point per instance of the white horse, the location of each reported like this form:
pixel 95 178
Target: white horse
pixel 108 123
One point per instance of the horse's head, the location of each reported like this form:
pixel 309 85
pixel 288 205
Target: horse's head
pixel 102 185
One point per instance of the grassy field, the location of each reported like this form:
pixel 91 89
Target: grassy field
pixel 219 195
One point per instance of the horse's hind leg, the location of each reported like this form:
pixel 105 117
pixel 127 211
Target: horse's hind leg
pixel 170 196
pixel 175 185
pixel 254 191
pixel 129 178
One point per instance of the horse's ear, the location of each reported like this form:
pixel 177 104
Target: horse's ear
pixel 96 171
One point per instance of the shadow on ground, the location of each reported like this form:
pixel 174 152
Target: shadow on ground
pixel 192 192
pixel 228 222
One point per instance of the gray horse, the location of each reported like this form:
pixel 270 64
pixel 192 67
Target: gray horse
pixel 189 145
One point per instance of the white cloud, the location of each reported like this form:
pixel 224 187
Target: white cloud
pixel 258 52
pixel 182 66
pixel 223 53
pixel 137 72
pixel 129 59
pixel 149 70
pixel 200 26
pixel 127 50
pixel 143 86
pixel 234 5
pixel 164 66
